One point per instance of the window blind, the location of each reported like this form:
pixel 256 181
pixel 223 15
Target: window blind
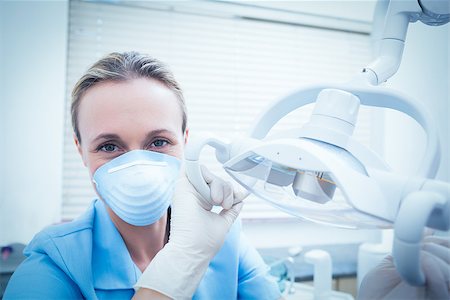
pixel 229 67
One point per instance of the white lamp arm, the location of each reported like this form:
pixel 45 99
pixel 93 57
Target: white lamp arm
pixel 369 95
pixel 392 43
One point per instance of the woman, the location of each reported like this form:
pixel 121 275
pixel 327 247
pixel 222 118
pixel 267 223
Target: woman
pixel 129 122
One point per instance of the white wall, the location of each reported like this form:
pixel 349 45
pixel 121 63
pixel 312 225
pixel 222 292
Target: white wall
pixel 424 75
pixel 32 72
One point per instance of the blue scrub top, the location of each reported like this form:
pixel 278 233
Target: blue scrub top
pixel 87 258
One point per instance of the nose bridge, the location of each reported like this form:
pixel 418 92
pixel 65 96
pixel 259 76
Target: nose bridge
pixel 135 146
pixel 136 141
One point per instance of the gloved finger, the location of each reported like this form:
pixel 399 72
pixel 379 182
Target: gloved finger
pixel 207 175
pixel 436 281
pixel 437 240
pixel 379 281
pixel 230 215
pixel 440 259
pixel 240 195
pixel 228 195
pixel 439 251
pixel 428 232
pixel 204 203
pixel 216 192
pixel 182 189
pixel 215 186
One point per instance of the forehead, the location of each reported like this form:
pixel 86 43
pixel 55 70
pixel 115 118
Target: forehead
pixel 135 105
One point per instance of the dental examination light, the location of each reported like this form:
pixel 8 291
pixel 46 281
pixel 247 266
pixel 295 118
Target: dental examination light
pixel 322 174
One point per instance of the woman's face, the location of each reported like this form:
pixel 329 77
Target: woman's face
pixel 116 117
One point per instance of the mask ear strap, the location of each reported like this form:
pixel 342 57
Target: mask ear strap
pixel 167 235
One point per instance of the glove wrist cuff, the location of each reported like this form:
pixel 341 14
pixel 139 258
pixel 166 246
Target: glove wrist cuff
pixel 174 273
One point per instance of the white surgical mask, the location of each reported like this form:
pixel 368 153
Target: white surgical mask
pixel 138 186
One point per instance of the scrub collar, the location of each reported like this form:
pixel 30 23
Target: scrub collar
pixel 112 266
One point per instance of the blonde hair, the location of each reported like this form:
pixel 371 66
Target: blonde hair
pixel 122 67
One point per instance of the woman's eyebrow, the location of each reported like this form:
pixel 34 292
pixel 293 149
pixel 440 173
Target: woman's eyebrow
pixel 160 132
pixel 106 136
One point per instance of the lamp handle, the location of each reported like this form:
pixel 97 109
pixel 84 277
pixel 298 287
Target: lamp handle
pixel 412 218
pixel 192 164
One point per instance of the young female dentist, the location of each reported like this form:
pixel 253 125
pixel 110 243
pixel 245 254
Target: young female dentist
pixel 149 236
pixel 129 122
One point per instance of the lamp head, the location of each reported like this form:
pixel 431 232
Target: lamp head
pixel 302 177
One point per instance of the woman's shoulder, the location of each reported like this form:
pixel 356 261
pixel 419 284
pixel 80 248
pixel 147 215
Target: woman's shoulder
pixel 67 245
pixel 38 277
pixel 66 232
pixel 60 257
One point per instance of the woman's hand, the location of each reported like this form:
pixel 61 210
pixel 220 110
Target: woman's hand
pixel 384 282
pixel 196 235
pixel 194 227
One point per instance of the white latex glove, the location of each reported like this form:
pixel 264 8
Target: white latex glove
pixel 196 235
pixel 222 193
pixel 384 282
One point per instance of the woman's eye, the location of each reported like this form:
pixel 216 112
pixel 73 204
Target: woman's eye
pixel 109 148
pixel 159 143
